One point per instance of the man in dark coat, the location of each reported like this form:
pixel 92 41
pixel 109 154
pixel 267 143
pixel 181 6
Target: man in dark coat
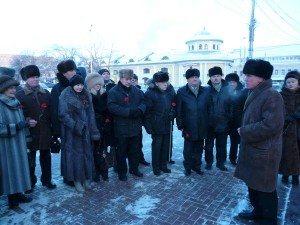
pixel 36 107
pixel 127 105
pixel 192 119
pixel 238 99
pixel 108 83
pixel 159 117
pixel 261 141
pixel 220 115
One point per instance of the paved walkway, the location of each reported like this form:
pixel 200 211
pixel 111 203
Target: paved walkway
pixel 214 198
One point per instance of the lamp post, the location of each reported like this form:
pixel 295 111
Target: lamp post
pixel 91 48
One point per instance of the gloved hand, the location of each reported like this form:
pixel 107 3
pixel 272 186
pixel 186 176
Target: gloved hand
pixel 21 125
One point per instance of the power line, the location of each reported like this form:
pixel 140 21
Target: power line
pixel 231 9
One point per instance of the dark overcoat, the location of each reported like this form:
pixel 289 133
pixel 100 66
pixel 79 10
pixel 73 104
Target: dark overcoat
pixel 78 125
pixel 159 106
pixel 261 138
pixel 120 103
pixel 193 112
pixel 37 106
pixel 290 160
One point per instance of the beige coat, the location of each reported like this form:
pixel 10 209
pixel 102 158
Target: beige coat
pixel 261 138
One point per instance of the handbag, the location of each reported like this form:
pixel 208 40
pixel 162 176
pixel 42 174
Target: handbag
pixel 55 145
pixel 110 157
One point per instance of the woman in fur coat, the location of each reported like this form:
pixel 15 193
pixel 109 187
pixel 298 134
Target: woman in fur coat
pixel 290 159
pixel 78 128
pixel 14 168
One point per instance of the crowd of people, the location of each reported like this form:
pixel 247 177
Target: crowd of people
pixel 93 116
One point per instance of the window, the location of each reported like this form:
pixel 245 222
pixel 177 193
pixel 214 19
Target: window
pixel 116 72
pixel 164 70
pixel 192 47
pixel 276 72
pixel 205 46
pixel 146 70
pixel 200 47
pixel 214 46
pixel 130 60
pixel 165 58
pixel 282 72
pixel 217 47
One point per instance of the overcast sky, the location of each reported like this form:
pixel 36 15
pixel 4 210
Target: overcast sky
pixel 142 26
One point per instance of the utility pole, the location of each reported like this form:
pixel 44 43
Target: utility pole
pixel 251 31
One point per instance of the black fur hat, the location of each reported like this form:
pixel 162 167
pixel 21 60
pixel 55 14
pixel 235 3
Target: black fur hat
pixel 126 73
pixel 30 71
pixel 192 73
pixel 232 77
pixel 259 68
pixel 101 71
pixel 216 70
pixel 160 77
pixel 66 65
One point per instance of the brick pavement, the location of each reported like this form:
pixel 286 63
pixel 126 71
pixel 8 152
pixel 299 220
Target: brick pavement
pixel 214 198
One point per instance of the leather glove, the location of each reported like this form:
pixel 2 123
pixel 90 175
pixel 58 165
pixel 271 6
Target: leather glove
pixel 21 125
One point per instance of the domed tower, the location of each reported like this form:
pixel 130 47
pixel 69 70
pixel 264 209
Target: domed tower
pixel 204 41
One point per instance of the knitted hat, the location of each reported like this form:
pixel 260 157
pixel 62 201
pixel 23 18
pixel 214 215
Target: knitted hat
pixel 192 73
pixel 6 82
pixel 76 79
pixel 259 68
pixel 65 66
pixel 7 71
pixel 103 71
pixel 232 77
pixel 30 71
pixel 126 73
pixel 92 79
pixel 216 70
pixel 292 74
pixel 160 77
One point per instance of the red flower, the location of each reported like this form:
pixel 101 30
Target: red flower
pixel 20 106
pixel 173 104
pixel 44 105
pixel 84 101
pixel 126 99
pixel 107 120
pixel 187 136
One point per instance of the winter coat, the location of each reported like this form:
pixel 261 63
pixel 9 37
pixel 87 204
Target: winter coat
pixel 104 118
pixel 290 160
pixel 159 112
pixel 63 82
pixel 220 108
pixel 121 102
pixel 78 127
pixel 193 112
pixel 109 85
pixel 14 168
pixel 261 138
pixel 37 106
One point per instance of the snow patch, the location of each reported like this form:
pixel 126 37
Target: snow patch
pixel 142 206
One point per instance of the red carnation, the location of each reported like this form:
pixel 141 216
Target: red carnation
pixel 20 106
pixel 187 135
pixel 126 99
pixel 173 104
pixel 107 120
pixel 44 105
pixel 84 101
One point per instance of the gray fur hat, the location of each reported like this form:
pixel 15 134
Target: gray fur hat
pixel 126 73
pixel 7 71
pixel 92 79
pixel 6 82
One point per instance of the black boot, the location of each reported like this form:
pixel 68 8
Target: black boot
pixel 23 198
pixel 12 201
pixel 104 175
pixel 285 179
pixel 295 180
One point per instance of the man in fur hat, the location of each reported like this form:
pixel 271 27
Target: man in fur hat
pixel 192 119
pixel 127 105
pixel 261 141
pixel 220 115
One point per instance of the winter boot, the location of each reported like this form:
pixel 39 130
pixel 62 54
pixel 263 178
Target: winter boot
pixel 78 186
pixel 295 180
pixel 87 184
pixel 12 201
pixel 285 179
